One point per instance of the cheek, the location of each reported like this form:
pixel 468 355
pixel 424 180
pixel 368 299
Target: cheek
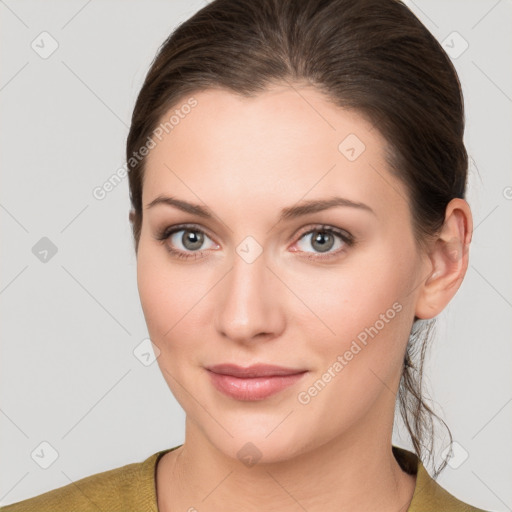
pixel 356 369
pixel 352 297
pixel 153 289
pixel 166 291
pixel 176 300
pixel 369 309
pixel 168 295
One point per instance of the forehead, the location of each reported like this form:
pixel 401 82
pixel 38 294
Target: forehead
pixel 277 147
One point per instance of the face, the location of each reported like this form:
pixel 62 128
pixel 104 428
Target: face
pixel 270 273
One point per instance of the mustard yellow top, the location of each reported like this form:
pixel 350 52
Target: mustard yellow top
pixel 132 488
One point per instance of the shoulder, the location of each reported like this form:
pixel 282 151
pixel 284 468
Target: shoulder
pixel 123 489
pixel 429 496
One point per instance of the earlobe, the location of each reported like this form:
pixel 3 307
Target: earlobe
pixel 448 260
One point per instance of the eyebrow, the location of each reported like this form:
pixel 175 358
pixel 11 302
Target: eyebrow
pixel 291 212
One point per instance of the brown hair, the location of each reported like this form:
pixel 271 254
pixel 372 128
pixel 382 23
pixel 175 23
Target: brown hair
pixel 372 56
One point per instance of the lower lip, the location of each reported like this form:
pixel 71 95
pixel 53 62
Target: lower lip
pixel 254 388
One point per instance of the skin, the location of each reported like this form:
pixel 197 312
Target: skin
pixel 245 159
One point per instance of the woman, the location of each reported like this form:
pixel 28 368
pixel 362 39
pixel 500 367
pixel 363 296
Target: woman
pixel 297 178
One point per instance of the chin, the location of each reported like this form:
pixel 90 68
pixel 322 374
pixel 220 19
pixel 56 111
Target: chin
pixel 252 445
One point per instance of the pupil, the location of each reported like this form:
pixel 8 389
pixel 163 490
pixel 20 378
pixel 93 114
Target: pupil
pixel 192 240
pixel 320 237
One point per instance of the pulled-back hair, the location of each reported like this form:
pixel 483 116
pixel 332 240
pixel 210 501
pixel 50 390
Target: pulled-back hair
pixel 372 56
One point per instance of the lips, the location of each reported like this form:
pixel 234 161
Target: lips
pixel 256 382
pixel 256 370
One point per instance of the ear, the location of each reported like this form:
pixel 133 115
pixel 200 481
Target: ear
pixel 448 259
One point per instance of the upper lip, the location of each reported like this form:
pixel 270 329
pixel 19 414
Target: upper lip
pixel 256 370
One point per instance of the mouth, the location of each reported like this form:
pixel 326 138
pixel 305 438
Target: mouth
pixel 255 382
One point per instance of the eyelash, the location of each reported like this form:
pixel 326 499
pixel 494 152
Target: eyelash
pixel 346 238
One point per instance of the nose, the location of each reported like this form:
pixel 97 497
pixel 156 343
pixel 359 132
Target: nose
pixel 250 302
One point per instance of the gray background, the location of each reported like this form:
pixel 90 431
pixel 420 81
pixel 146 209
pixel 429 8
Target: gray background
pixel 70 324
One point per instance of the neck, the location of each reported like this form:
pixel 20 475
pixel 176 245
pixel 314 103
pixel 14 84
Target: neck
pixel 356 471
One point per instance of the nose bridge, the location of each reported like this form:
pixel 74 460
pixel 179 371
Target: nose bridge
pixel 250 299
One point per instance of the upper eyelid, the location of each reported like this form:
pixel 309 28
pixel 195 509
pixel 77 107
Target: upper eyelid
pixel 326 227
pixel 171 230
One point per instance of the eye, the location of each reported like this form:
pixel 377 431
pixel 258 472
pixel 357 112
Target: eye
pixel 324 239
pixel 185 241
